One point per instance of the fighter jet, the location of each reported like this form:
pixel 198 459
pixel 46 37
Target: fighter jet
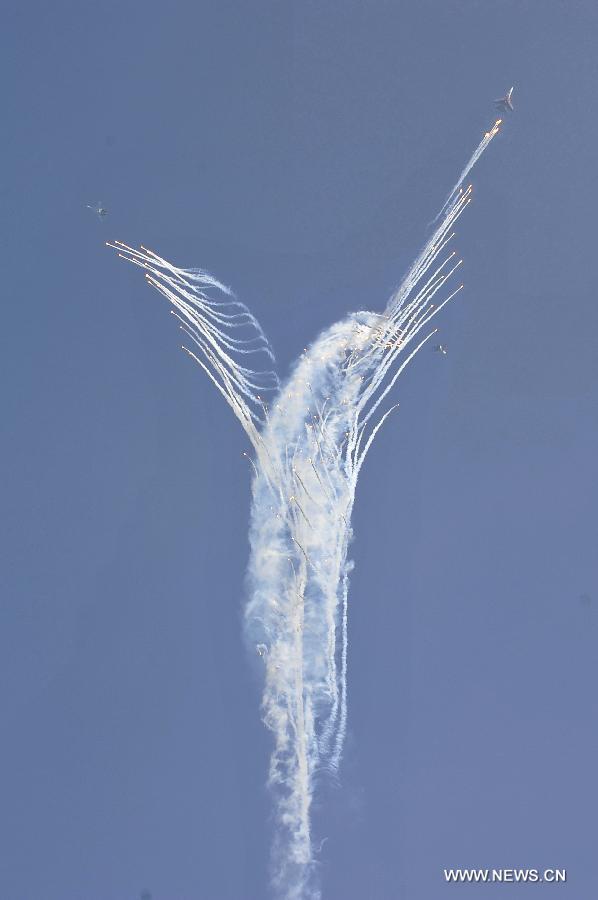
pixel 98 209
pixel 505 103
pixel 440 348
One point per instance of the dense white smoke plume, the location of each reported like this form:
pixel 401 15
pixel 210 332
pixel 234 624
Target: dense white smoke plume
pixel 309 444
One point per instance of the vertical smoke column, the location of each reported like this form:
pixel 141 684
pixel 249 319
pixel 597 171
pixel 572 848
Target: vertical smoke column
pixel 318 433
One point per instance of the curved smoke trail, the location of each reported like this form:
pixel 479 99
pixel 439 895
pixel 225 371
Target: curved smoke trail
pixel 309 444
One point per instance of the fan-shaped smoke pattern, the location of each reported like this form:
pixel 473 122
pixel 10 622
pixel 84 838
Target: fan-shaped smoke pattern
pixel 310 442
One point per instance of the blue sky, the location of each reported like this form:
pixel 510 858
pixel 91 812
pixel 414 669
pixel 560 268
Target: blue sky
pixel 297 151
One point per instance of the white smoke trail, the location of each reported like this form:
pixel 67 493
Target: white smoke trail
pixel 488 137
pixel 310 444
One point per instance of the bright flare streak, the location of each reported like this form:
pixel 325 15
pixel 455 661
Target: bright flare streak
pixel 309 448
pixel 488 137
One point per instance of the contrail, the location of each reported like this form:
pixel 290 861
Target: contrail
pixel 310 438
